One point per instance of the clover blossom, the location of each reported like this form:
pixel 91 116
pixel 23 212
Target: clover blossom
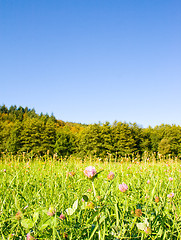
pixel 170 195
pixel 110 176
pixel 90 172
pixel 123 187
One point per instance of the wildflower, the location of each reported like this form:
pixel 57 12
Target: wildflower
pixel 147 230
pixel 170 179
pixel 99 198
pixel 148 181
pixel 51 211
pixel 18 215
pixel 70 174
pixel 29 237
pixel 110 176
pixel 89 190
pixel 90 172
pixel 65 235
pixel 157 199
pixel 62 216
pixel 11 236
pixel 147 196
pixel 123 187
pixel 90 205
pixel 170 195
pixel 138 212
pixel 4 170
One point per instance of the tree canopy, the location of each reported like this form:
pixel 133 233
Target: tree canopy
pixel 23 130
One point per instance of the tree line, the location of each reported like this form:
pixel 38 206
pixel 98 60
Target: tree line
pixel 23 130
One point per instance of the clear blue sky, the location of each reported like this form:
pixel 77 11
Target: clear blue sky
pixel 93 60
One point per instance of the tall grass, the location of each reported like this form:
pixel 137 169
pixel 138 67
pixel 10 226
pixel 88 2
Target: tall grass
pixel 49 198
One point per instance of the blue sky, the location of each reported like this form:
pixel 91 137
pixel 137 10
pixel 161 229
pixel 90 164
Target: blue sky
pixel 93 60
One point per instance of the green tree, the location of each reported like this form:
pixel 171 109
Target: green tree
pixel 31 139
pixel 124 142
pixel 66 142
pixel 164 146
pixel 48 136
pixel 90 140
pixel 3 109
pixel 106 142
pixel 146 143
pixel 173 134
pixel 13 143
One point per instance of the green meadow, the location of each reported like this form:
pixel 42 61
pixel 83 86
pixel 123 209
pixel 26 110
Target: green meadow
pixel 46 198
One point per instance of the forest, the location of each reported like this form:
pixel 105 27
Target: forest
pixel 23 130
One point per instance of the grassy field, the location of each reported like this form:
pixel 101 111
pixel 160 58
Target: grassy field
pixel 50 199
